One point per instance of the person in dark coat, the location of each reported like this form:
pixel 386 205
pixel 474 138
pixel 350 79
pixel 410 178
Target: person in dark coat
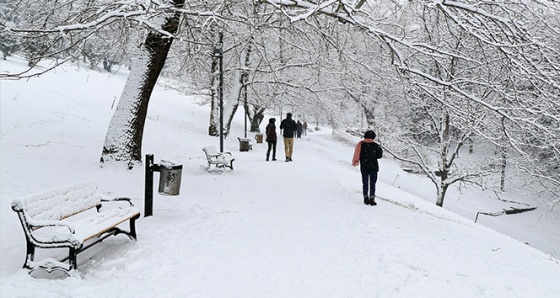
pixel 366 154
pixel 299 129
pixel 288 127
pixel 271 138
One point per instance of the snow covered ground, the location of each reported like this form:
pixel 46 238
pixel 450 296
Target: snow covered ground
pixel 266 229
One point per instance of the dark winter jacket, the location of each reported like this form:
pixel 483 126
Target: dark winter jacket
pixel 367 153
pixel 288 126
pixel 271 132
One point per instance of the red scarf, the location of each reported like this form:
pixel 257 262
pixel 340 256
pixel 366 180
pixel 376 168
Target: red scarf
pixel 358 149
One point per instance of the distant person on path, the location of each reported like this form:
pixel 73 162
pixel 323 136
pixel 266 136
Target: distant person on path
pixel 366 153
pixel 288 126
pixel 304 128
pixel 271 138
pixel 299 129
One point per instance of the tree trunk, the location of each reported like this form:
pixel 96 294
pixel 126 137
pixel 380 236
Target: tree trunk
pixel 503 165
pixel 257 119
pixel 370 117
pixel 441 194
pixel 123 143
pixel 369 112
pixel 214 127
pixel 237 86
pixel 443 173
pixel 232 109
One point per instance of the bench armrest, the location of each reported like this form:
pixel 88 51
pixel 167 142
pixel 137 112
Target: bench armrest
pixel 118 199
pixel 35 224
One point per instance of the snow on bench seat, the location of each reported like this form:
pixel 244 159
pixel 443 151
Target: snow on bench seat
pixel 75 217
pixel 218 159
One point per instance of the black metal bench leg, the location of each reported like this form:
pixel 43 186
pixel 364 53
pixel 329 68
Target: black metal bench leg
pixel 133 227
pixel 72 258
pixel 30 255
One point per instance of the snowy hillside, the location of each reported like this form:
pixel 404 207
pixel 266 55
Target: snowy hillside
pixel 265 229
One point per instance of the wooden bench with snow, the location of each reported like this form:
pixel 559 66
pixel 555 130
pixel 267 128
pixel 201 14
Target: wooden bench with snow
pixel 218 159
pixel 73 217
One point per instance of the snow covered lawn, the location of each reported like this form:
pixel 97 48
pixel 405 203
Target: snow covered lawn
pixel 265 229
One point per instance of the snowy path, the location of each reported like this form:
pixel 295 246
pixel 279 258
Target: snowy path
pixel 280 230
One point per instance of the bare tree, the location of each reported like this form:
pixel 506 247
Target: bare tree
pixel 453 62
pixel 457 61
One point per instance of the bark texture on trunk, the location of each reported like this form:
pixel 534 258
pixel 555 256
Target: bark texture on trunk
pixel 123 143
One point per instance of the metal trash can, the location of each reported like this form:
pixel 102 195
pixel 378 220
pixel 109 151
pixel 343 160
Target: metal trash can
pixel 169 178
pixel 259 138
pixel 244 144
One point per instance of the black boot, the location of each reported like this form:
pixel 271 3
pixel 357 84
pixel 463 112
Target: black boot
pixel 366 200
pixel 267 157
pixel 372 201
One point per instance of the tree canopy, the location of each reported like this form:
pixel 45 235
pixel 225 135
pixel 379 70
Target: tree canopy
pixel 431 76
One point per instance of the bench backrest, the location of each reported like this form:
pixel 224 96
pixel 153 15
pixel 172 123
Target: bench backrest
pixel 59 203
pixel 210 150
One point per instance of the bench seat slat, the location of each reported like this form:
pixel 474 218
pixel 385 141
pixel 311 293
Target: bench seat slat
pixel 88 227
pixel 100 223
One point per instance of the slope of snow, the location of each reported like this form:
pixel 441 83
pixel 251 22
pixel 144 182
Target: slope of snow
pixel 266 229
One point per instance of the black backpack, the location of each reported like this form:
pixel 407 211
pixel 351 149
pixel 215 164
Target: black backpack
pixel 369 154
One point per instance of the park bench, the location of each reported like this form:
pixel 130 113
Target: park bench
pixel 73 217
pixel 218 159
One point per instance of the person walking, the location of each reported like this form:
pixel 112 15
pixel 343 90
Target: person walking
pixel 288 127
pixel 366 154
pixel 304 128
pixel 271 138
pixel 299 129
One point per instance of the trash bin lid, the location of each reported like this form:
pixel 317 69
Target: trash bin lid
pixel 164 164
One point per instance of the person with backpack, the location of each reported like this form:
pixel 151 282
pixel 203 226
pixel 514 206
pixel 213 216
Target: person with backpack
pixel 288 127
pixel 299 129
pixel 366 154
pixel 271 138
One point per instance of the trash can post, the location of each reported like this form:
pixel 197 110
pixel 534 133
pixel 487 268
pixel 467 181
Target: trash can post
pixel 169 181
pixel 149 186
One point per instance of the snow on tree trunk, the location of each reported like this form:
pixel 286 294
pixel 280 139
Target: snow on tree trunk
pixel 127 124
pixel 441 194
pixel 503 166
pixel 233 100
pixel 239 80
pixel 443 167
pixel 256 119
pixel 123 143
pixel 214 127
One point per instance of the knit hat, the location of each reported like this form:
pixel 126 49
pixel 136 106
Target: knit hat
pixel 271 120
